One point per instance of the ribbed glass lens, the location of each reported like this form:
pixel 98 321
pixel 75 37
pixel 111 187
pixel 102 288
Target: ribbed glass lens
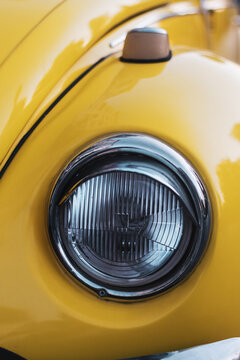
pixel 122 225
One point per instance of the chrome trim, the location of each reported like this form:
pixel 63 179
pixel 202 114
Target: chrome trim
pixel 168 11
pixel 228 349
pixel 162 154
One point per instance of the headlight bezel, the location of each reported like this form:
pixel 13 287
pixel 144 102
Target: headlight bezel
pixel 144 146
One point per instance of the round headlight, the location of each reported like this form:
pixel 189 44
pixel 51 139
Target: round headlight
pixel 129 217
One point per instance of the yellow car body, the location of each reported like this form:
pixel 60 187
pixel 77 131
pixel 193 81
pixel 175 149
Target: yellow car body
pixel 190 102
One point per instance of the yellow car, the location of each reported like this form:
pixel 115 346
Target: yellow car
pixel 119 179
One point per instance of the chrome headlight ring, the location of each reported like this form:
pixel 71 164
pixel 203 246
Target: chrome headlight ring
pixel 129 217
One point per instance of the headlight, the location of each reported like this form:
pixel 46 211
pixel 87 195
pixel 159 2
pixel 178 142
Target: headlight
pixel 129 217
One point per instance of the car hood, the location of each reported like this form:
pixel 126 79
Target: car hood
pixel 40 41
pixel 18 19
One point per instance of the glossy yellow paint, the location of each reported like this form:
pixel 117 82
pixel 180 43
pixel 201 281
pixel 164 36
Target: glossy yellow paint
pixel 191 35
pixel 191 102
pixel 47 315
pixel 59 53
pixel 49 49
pixel 18 19
pixel 45 42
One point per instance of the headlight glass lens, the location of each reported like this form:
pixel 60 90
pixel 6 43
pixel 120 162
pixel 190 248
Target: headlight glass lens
pixel 123 222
